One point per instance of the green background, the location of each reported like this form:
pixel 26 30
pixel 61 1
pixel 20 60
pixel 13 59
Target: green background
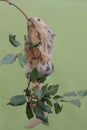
pixel 68 19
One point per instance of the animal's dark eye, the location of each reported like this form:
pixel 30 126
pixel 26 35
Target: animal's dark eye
pixel 38 19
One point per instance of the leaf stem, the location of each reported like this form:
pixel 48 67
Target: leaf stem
pixel 10 3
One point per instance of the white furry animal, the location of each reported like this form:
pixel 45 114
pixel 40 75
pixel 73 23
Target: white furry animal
pixel 45 69
pixel 40 56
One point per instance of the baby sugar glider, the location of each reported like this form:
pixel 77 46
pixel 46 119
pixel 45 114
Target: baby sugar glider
pixel 47 37
pixel 39 31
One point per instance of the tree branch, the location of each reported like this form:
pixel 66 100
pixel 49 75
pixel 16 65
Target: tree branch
pixel 10 3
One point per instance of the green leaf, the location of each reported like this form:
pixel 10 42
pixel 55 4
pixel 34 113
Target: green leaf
pixel 42 117
pixel 82 93
pixel 57 108
pixel 29 112
pixel 44 88
pixel 70 94
pixel 22 59
pixel 44 107
pixel 34 74
pixel 13 41
pixel 38 93
pixel 17 100
pixel 42 79
pixel 52 90
pixel 32 45
pixel 40 113
pixel 46 123
pixel 48 101
pixel 25 37
pixel 58 98
pixel 36 44
pixel 75 102
pixel 8 59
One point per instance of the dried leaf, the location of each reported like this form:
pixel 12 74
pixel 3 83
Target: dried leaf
pixel 33 123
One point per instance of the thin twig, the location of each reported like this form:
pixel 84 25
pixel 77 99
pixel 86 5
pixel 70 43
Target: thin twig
pixel 10 3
